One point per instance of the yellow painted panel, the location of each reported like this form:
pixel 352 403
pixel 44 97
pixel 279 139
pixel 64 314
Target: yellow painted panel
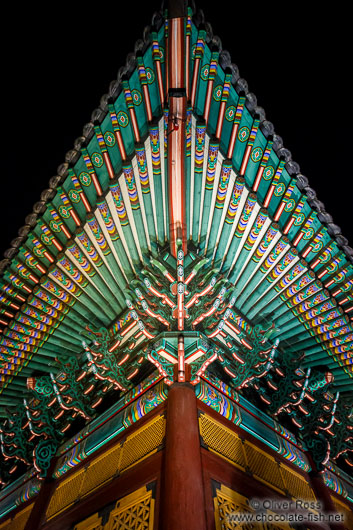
pixel 343 508
pixel 264 467
pixel 228 502
pixel 19 521
pixel 66 493
pixel 296 485
pixel 143 442
pixel 133 512
pixel 139 445
pixel 101 470
pixel 222 440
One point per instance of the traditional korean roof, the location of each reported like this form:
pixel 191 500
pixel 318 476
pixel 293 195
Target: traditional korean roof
pixel 96 287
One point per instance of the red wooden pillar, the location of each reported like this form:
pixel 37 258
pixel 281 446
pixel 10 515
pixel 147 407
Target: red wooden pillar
pixel 182 502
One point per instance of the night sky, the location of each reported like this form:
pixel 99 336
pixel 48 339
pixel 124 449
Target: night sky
pixel 56 66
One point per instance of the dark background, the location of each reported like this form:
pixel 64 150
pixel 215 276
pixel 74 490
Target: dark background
pixel 56 64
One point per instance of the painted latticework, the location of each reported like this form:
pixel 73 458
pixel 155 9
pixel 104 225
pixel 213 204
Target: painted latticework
pixel 264 467
pixel 345 510
pixel 133 512
pixel 248 457
pixel 234 407
pixel 222 440
pixel 66 493
pixel 101 470
pixel 137 446
pixel 228 502
pixel 19 521
pixel 125 412
pixel 295 484
pixel 143 443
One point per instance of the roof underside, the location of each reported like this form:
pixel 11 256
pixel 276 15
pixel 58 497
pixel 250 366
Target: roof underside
pixel 95 252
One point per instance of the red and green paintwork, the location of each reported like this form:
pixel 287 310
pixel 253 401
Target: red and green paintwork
pixel 179 239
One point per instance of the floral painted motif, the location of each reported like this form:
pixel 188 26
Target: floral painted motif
pixel 136 97
pixel 230 113
pixel 97 160
pixel 123 119
pixel 268 172
pixel 217 93
pixel 205 71
pixel 243 134
pixel 109 139
pixel 150 76
pixel 85 178
pixel 256 154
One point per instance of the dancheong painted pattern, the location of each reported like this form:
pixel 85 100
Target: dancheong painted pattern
pixel 233 273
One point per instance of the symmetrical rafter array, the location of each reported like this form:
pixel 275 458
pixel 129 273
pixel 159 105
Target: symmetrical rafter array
pixel 241 256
